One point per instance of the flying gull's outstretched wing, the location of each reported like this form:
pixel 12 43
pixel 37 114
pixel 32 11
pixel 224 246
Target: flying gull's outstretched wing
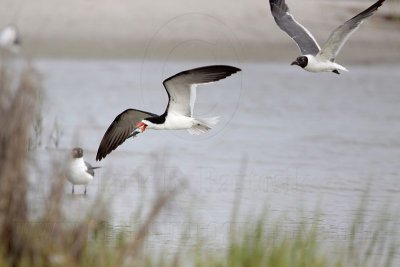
pixel 303 38
pixel 120 129
pixel 181 88
pixel 340 35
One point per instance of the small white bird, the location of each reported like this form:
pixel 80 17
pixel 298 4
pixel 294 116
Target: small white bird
pixel 79 172
pixel 315 59
pixel 10 39
pixel 181 90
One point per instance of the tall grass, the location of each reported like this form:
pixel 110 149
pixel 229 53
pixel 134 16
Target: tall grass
pixel 16 105
pixel 49 242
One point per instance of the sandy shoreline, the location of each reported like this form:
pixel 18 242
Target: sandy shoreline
pixel 242 31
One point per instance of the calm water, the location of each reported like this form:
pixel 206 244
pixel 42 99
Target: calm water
pixel 310 142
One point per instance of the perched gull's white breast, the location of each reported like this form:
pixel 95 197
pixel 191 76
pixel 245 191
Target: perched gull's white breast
pixel 77 172
pixel 7 37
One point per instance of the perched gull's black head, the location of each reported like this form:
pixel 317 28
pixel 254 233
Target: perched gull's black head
pixel 77 153
pixel 301 61
pixel 17 40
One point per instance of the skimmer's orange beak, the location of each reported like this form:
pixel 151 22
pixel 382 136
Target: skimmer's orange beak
pixel 141 126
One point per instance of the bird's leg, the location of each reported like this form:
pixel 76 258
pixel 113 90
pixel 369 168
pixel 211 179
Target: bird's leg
pixel 336 71
pixel 72 189
pixel 85 190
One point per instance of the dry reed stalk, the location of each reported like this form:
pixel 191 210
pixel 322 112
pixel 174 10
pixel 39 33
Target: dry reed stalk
pixel 16 116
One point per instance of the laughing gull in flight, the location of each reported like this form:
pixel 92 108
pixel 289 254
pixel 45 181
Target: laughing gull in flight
pixel 79 172
pixel 181 90
pixel 9 38
pixel 314 58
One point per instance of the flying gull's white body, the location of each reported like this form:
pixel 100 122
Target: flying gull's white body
pixel 317 64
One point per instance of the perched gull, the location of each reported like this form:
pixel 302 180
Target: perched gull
pixel 314 58
pixel 9 38
pixel 79 172
pixel 181 90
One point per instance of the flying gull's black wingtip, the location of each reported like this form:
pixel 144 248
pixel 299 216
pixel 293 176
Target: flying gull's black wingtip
pixel 278 7
pixel 226 68
pixel 99 157
pixel 221 71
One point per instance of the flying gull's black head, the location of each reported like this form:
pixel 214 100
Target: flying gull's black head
pixel 77 153
pixel 301 61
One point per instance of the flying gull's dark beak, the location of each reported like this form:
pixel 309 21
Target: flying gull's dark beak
pixel 295 63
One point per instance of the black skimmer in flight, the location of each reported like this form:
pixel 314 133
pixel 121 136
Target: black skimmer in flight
pixel 181 90
pixel 9 38
pixel 314 58
pixel 80 172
